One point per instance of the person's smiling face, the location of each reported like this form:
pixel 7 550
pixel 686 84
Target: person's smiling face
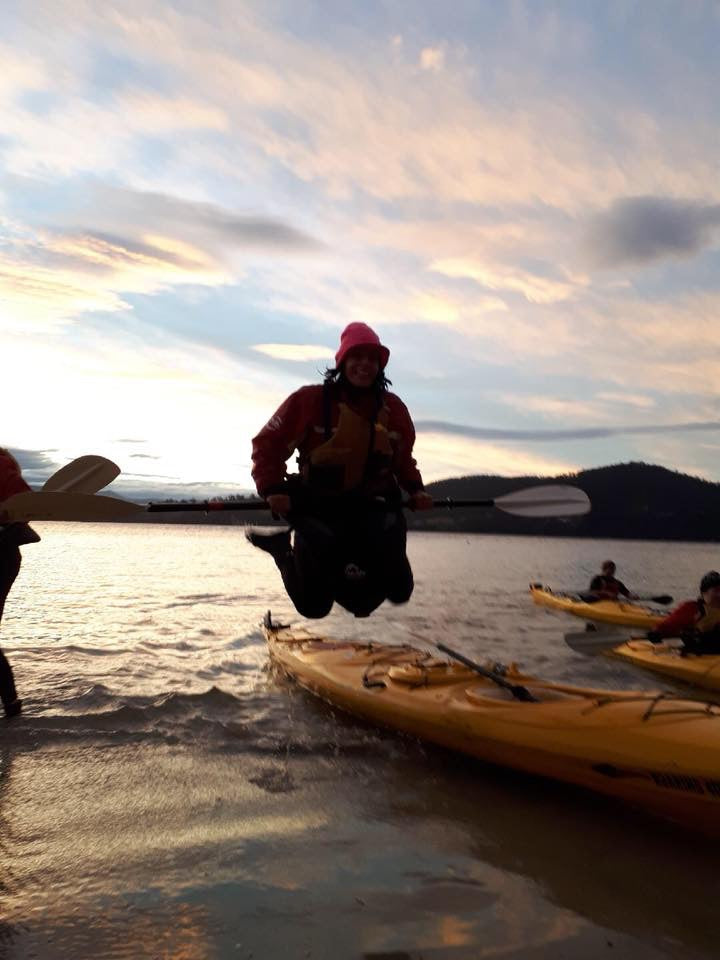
pixel 361 366
pixel 712 596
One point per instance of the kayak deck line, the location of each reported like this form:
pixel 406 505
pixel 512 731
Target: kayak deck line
pixel 657 750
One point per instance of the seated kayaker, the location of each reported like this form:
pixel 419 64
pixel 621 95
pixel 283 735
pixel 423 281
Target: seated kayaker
pixel 12 536
pixel 355 441
pixel 606 586
pixel 696 622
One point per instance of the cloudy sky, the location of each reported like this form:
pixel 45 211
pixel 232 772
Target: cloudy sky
pixel 521 197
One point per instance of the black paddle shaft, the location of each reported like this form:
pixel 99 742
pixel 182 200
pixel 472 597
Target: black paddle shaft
pixel 210 506
pixel 516 689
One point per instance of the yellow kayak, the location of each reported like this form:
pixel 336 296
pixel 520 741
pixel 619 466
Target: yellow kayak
pixel 665 658
pixel 602 611
pixel 656 750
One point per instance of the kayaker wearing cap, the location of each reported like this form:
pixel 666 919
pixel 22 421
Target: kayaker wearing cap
pixel 12 536
pixel 355 441
pixel 606 586
pixel 697 622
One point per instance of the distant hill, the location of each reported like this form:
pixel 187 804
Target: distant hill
pixel 629 500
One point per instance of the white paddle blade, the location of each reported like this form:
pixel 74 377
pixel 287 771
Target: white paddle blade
pixel 553 500
pixel 86 474
pixel 67 506
pixel 594 642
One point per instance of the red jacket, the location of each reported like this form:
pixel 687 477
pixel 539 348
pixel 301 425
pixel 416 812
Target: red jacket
pixel 299 424
pixel 11 481
pixel 682 618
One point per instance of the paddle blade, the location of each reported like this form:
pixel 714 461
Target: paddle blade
pixel 67 506
pixel 554 500
pixel 663 599
pixel 594 642
pixel 86 474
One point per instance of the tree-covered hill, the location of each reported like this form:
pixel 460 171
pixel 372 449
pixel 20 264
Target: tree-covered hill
pixel 629 500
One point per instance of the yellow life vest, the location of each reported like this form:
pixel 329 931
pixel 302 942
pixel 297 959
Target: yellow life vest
pixel 709 621
pixel 353 454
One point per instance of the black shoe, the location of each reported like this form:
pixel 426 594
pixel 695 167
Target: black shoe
pixel 13 708
pixel 276 544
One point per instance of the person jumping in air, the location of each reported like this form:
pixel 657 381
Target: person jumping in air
pixel 12 536
pixel 355 442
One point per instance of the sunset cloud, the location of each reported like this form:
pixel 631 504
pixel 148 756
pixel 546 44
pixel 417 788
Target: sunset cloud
pixel 643 229
pixel 535 288
pixel 432 58
pixel 294 351
pixel 58 273
pixel 441 456
pixel 488 433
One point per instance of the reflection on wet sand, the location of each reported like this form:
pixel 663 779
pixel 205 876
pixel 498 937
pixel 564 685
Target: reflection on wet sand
pixel 7 878
pixel 613 866
pixel 394 850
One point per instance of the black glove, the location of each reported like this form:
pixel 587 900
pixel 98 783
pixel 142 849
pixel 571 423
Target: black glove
pixel 654 636
pixel 692 641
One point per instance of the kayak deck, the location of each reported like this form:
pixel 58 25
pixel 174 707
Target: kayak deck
pixel 667 659
pixel 657 750
pixel 601 611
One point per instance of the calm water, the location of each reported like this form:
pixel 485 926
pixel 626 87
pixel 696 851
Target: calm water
pixel 166 796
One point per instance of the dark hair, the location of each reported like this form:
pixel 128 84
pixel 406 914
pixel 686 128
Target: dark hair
pixel 337 375
pixel 711 579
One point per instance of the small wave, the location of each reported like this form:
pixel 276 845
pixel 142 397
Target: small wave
pixel 97 695
pixel 214 697
pixel 98 713
pixel 256 724
pixel 216 599
pixel 184 645
pixel 97 651
pixel 57 653
pixel 200 596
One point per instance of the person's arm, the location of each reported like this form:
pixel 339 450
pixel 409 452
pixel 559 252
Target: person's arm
pixel 623 590
pixel 404 464
pixel 11 481
pixel 277 440
pixel 682 618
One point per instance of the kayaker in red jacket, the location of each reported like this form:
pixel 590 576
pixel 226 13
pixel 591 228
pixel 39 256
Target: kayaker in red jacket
pixel 355 455
pixel 12 536
pixel 697 622
pixel 606 586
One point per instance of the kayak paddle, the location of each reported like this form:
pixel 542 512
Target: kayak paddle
pixel 516 689
pixel 66 506
pixel 554 500
pixel 592 642
pixel 663 598
pixel 86 474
